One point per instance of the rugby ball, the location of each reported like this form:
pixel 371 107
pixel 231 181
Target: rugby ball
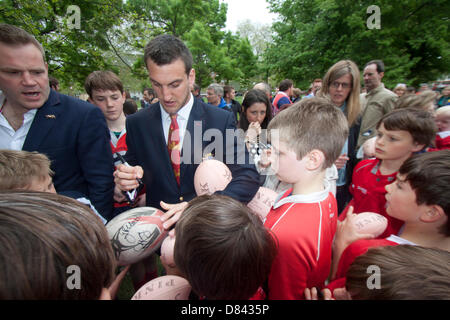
pixel 167 248
pixel 371 223
pixel 211 176
pixel 164 288
pixel 262 202
pixel 135 234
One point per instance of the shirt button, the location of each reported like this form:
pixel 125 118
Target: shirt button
pixel 181 199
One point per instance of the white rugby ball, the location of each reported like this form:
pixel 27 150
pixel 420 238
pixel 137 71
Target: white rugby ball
pixel 211 176
pixel 164 288
pixel 135 234
pixel 262 202
pixel 371 223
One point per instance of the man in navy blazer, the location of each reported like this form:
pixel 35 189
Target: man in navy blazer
pixel 169 64
pixel 71 132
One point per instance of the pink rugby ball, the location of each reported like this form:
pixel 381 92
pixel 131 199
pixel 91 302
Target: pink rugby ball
pixel 135 234
pixel 371 223
pixel 262 202
pixel 167 248
pixel 164 288
pixel 211 176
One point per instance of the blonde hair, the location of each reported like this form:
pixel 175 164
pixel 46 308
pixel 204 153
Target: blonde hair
pixel 18 169
pixel 445 111
pixel 339 69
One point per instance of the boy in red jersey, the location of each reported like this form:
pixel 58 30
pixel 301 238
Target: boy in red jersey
pixel 401 133
pixel 106 91
pixel 419 198
pixel 306 139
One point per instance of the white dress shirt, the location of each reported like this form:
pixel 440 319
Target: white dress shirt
pixel 10 138
pixel 182 119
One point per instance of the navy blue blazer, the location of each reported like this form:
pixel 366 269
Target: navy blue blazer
pixel 74 135
pixel 147 147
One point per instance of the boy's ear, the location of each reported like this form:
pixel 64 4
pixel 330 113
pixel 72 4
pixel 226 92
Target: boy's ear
pixel 432 213
pixel 315 159
pixel 90 100
pixel 418 147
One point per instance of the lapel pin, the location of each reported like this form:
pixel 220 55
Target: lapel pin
pixel 50 116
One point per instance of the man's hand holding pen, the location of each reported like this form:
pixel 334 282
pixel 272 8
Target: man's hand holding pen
pixel 126 178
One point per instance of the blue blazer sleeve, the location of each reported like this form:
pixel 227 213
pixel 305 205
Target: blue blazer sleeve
pixel 75 137
pixel 245 181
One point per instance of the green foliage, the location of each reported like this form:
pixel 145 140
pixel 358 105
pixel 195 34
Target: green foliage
pixel 71 53
pixel 113 34
pixel 314 34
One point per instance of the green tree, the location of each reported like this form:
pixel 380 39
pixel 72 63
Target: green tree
pixel 314 34
pixel 217 55
pixel 71 53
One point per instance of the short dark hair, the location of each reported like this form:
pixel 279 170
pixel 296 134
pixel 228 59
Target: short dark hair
pixel 419 123
pixel 285 84
pixel 227 89
pixel 129 107
pixel 102 80
pixel 223 249
pixel 53 82
pixel 15 36
pixel 149 90
pixel 251 97
pixel 407 273
pixel 378 63
pixel 165 49
pixel 429 176
pixel 41 235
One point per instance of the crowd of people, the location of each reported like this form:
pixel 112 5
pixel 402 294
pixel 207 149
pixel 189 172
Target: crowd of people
pixel 330 155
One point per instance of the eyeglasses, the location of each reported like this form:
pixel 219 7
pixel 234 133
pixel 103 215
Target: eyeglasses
pixel 344 85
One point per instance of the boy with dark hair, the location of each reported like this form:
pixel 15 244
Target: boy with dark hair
pixel 419 198
pixel 306 139
pixel 106 91
pixel 46 240
pixel 229 94
pixel 283 96
pixel 222 249
pixel 401 133
pixel 408 273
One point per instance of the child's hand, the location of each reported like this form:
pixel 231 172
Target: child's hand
pixel 341 161
pixel 173 213
pixel 115 285
pixel 347 233
pixel 314 294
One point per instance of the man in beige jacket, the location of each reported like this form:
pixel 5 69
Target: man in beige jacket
pixel 377 102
